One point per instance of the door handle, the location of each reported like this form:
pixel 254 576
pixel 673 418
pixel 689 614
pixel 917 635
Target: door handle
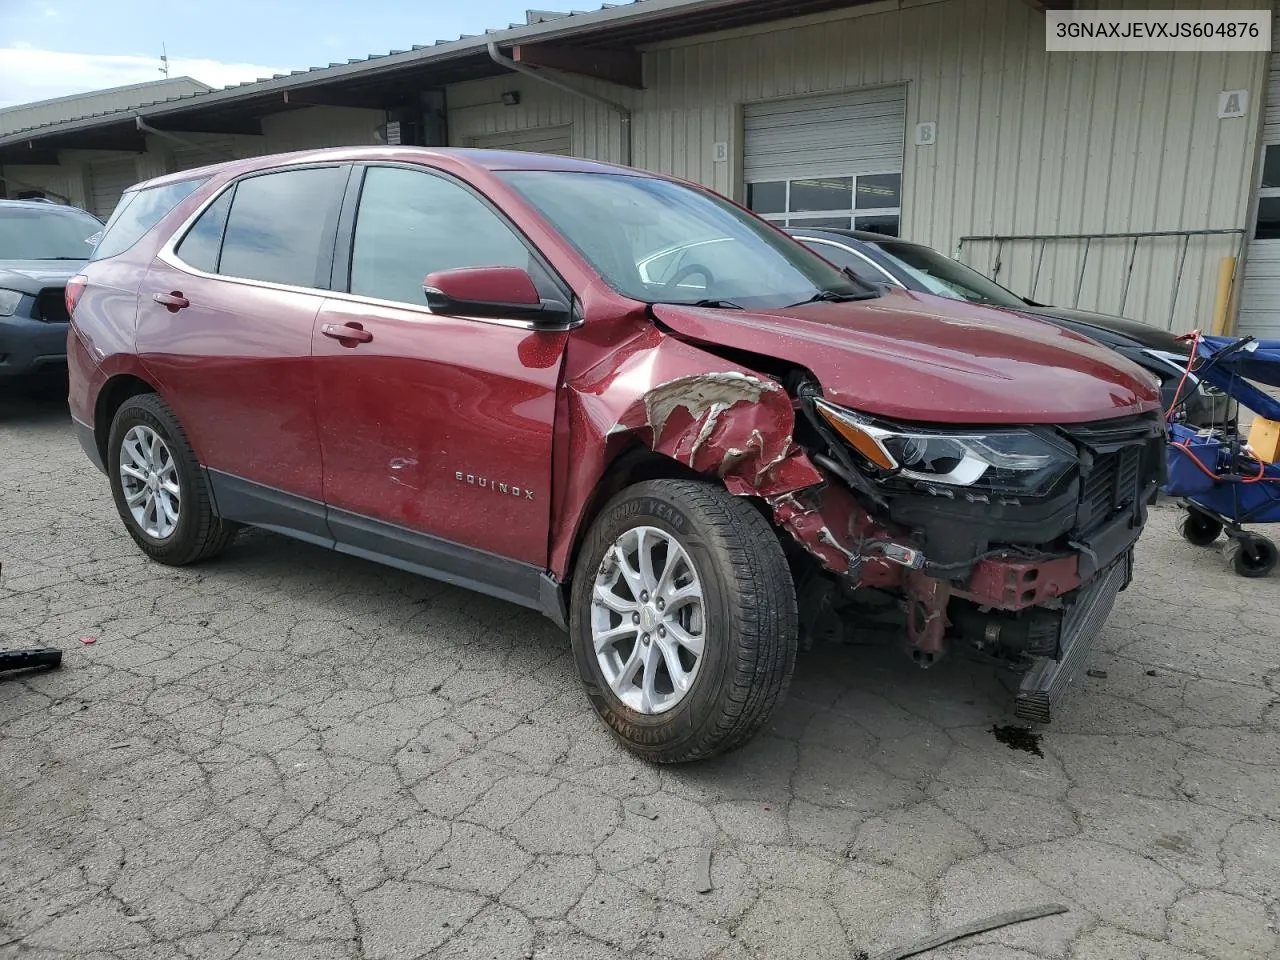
pixel 173 302
pixel 351 331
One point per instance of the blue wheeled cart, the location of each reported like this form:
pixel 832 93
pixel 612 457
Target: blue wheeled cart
pixel 1220 481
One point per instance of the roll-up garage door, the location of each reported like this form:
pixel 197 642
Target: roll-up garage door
pixel 107 180
pixel 1260 292
pixel 833 160
pixel 557 140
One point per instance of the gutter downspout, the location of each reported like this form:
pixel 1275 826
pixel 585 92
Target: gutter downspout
pixel 623 112
pixel 181 141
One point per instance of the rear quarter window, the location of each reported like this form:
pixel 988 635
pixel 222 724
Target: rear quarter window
pixel 137 212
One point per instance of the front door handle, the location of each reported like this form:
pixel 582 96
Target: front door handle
pixel 173 301
pixel 352 332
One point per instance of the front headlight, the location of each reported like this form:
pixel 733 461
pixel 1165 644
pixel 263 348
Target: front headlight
pixel 1003 461
pixel 9 300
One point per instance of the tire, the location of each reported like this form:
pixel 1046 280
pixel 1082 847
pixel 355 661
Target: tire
pixel 1251 555
pixel 746 620
pixel 1200 529
pixel 198 533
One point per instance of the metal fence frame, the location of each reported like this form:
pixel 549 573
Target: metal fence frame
pixel 1043 238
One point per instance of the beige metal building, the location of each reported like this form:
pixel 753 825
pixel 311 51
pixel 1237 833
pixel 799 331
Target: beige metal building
pixel 1110 181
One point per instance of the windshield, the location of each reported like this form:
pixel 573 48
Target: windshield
pixel 44 233
pixel 663 242
pixel 947 277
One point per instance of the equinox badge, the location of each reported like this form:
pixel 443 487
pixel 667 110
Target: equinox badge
pixel 493 485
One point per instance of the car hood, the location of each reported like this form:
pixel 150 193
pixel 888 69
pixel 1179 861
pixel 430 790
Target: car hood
pixel 1123 331
pixel 32 276
pixel 916 357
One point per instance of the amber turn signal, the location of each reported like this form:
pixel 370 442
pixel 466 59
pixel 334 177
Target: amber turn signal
pixel 857 435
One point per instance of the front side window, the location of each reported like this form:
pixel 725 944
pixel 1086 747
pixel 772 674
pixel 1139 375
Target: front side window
pixel 411 223
pixel 663 242
pixel 137 212
pixel 44 232
pixel 279 224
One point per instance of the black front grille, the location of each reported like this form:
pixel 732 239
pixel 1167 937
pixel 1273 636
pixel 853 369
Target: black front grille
pixel 51 305
pixel 1113 483
pixel 1120 461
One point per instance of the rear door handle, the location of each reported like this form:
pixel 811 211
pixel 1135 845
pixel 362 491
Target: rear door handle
pixel 173 302
pixel 352 332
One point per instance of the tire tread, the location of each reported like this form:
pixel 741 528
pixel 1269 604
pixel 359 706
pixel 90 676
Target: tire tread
pixel 212 534
pixel 764 621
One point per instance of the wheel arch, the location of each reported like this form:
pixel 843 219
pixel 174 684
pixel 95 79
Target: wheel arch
pixel 117 389
pixel 635 463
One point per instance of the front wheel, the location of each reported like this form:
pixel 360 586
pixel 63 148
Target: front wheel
pixel 683 619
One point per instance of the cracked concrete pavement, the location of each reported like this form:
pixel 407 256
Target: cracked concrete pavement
pixel 290 754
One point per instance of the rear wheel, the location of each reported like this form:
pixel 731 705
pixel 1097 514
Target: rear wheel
pixel 1200 528
pixel 160 491
pixel 683 619
pixel 1251 555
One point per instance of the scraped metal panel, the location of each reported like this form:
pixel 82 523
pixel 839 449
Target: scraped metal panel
pixel 832 135
pixel 554 140
pixel 108 179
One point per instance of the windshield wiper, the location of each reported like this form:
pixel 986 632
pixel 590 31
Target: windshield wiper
pixel 835 296
pixel 718 304
pixel 60 258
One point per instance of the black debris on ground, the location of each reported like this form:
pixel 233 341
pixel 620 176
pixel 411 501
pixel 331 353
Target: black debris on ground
pixel 1018 738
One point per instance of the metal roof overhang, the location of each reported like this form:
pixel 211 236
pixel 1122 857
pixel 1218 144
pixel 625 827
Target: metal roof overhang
pixel 392 80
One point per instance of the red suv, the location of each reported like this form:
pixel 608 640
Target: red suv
pixel 617 399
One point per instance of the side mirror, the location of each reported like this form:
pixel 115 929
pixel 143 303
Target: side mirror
pixel 500 293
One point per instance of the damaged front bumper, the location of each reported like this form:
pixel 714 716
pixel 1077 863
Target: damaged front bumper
pixel 1040 578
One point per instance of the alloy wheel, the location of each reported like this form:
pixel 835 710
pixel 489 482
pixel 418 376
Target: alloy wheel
pixel 648 618
pixel 149 479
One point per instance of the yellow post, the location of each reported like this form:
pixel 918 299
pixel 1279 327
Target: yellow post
pixel 1222 302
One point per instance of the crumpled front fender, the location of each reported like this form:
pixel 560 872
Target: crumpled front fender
pixel 714 416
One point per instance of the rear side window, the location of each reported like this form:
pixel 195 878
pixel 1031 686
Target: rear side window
pixel 137 212
pixel 280 227
pixel 203 243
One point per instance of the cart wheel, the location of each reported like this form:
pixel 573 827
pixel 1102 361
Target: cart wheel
pixel 1200 528
pixel 1251 555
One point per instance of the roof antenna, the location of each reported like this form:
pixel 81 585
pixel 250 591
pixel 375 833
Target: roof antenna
pixel 164 61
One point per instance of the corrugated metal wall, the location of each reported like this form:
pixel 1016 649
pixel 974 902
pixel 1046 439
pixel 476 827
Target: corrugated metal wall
pixel 1027 141
pixel 476 110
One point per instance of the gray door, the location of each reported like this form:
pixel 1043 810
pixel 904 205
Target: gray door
pixel 1260 290
pixel 107 180
pixel 557 140
pixel 833 160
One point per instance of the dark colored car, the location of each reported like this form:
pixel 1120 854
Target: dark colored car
pixel 42 246
pixel 465 364
pixel 881 259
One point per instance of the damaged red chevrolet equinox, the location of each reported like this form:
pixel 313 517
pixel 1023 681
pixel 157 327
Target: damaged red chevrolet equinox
pixel 615 398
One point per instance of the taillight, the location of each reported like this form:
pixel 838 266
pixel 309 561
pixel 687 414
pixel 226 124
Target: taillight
pixel 75 287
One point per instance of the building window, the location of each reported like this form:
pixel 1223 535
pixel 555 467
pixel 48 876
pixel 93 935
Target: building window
pixel 1267 225
pixel 869 201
